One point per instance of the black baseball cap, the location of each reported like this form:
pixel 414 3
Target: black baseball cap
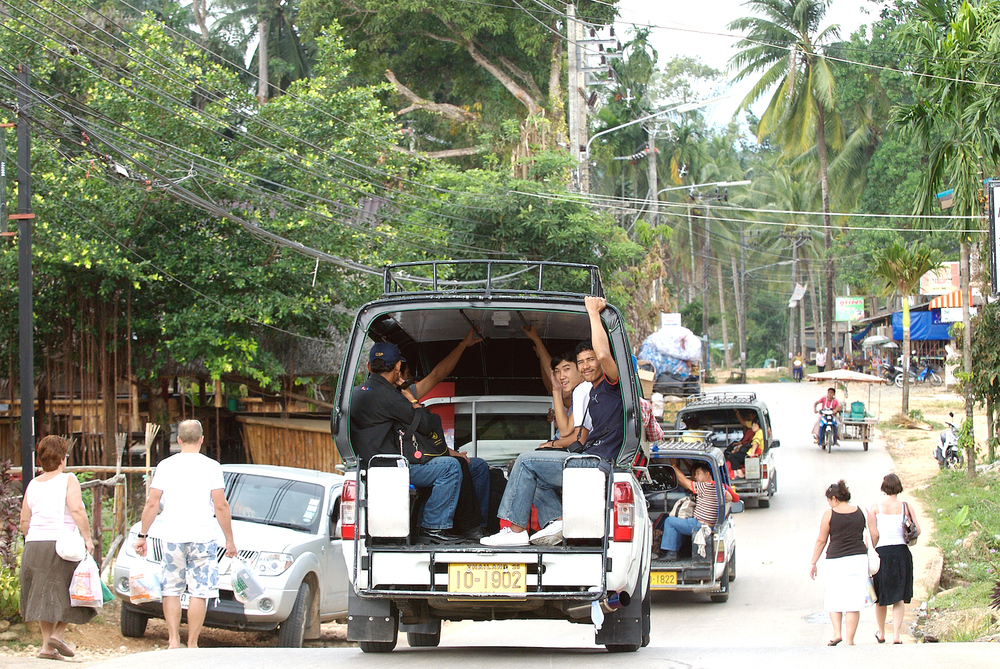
pixel 386 352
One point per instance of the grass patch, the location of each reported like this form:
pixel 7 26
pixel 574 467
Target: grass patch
pixel 967 519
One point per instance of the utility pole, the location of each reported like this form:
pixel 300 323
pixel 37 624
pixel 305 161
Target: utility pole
pixel 651 177
pixel 26 343
pixel 741 295
pixel 572 97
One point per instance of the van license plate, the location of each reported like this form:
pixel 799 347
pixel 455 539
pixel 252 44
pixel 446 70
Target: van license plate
pixel 487 578
pixel 662 578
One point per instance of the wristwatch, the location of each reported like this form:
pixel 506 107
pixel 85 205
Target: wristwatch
pixel 143 536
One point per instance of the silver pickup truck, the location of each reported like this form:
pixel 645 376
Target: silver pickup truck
pixel 599 574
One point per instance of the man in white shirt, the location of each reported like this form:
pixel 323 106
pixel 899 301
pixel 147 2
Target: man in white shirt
pixel 821 360
pixel 192 490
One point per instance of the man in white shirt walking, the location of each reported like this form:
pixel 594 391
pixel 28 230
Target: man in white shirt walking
pixel 192 490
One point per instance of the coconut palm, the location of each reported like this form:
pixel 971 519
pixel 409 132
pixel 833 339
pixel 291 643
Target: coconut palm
pixel 896 271
pixel 784 46
pixel 954 120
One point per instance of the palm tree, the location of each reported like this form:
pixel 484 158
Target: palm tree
pixel 784 46
pixel 897 270
pixel 954 121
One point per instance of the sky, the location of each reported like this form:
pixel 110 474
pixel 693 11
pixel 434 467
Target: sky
pixel 673 21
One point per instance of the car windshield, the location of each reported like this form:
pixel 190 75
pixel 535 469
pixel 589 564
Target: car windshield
pixel 296 505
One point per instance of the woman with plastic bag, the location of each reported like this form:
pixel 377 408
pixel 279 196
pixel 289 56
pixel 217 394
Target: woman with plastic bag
pixel 52 510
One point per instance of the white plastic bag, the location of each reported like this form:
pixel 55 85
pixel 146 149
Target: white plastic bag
pixel 85 587
pixel 246 587
pixel 145 583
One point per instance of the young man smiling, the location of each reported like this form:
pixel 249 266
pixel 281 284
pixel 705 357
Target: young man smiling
pixel 536 477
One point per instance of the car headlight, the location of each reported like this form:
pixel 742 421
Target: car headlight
pixel 272 564
pixel 129 546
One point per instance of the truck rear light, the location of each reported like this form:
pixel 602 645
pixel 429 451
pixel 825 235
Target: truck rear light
pixel 763 471
pixel 624 511
pixel 720 555
pixel 348 509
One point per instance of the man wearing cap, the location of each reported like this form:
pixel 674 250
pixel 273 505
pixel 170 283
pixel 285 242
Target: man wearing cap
pixel 381 413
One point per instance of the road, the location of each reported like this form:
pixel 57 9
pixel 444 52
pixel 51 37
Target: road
pixel 774 547
pixel 774 616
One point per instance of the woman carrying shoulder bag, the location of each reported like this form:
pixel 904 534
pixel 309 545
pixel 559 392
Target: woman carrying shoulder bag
pixel 894 580
pixel 52 507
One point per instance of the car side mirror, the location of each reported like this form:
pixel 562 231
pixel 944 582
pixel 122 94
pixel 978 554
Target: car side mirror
pixel 736 507
pixel 775 444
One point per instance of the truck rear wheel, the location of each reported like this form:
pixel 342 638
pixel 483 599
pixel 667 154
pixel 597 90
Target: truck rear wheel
pixel 763 503
pixel 722 596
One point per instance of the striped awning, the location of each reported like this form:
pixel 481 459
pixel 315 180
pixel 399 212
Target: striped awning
pixel 951 300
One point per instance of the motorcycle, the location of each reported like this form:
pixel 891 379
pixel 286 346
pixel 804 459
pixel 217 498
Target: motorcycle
pixel 827 429
pixel 928 374
pixel 947 453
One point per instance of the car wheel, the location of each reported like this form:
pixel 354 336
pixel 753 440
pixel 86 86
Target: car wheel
pixel 377 646
pixel 622 647
pixel 647 614
pixel 732 566
pixel 292 630
pixel 722 596
pixel 763 503
pixel 133 623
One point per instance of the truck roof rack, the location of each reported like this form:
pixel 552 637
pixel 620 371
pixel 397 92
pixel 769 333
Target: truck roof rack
pixel 489 277
pixel 720 398
pixel 684 440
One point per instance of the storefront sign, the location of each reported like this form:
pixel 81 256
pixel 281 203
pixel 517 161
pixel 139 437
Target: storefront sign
pixel 848 309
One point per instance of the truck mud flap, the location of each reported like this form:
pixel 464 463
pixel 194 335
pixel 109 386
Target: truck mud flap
pixel 624 626
pixel 371 619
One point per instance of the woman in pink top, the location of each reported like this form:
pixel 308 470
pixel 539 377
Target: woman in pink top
pixel 52 505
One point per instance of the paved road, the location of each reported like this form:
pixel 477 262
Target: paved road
pixel 774 616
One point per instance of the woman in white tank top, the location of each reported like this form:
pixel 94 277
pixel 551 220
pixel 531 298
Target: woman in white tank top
pixel 894 580
pixel 52 506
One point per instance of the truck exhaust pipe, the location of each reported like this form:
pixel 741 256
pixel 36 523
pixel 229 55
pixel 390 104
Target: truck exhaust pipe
pixel 612 603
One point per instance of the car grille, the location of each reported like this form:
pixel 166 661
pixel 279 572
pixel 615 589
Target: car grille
pixel 156 552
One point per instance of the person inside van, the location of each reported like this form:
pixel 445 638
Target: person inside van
pixel 569 390
pixel 706 509
pixel 736 457
pixel 536 477
pixel 381 414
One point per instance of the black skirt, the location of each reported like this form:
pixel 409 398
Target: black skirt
pixel 45 579
pixel 894 580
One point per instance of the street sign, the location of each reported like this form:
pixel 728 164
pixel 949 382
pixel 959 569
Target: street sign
pixel 848 309
pixel 669 319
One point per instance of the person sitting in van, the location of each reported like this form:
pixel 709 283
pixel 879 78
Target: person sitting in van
pixel 706 509
pixel 736 456
pixel 536 478
pixel 381 415
pixel 569 390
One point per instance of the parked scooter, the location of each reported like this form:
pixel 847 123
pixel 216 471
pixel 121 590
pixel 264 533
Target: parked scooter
pixel 947 452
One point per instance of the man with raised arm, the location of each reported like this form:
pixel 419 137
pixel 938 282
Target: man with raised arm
pixel 536 477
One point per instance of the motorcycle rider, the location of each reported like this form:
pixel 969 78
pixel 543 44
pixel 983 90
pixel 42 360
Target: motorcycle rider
pixel 829 401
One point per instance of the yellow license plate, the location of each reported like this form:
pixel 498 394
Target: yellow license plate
pixel 663 578
pixel 487 578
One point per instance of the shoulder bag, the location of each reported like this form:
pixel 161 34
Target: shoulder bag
pixel 419 449
pixel 70 545
pixel 910 530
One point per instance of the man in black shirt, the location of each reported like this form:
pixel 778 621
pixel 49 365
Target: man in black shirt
pixel 381 414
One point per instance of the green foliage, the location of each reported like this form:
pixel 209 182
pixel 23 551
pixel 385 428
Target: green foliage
pixel 10 589
pixel 967 530
pixel 917 415
pixel 10 514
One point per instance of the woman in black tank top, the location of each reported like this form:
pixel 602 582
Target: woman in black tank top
pixel 841 533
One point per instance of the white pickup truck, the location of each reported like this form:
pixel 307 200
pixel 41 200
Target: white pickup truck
pixel 599 574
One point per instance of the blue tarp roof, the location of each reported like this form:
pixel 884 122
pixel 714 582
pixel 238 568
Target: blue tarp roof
pixel 922 326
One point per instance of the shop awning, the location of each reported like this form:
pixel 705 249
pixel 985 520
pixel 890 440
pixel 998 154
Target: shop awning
pixel 952 300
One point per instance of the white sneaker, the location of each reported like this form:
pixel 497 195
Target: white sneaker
pixel 550 535
pixel 506 537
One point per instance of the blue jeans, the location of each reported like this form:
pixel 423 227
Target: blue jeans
pixel 481 482
pixel 535 479
pixel 444 477
pixel 675 529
